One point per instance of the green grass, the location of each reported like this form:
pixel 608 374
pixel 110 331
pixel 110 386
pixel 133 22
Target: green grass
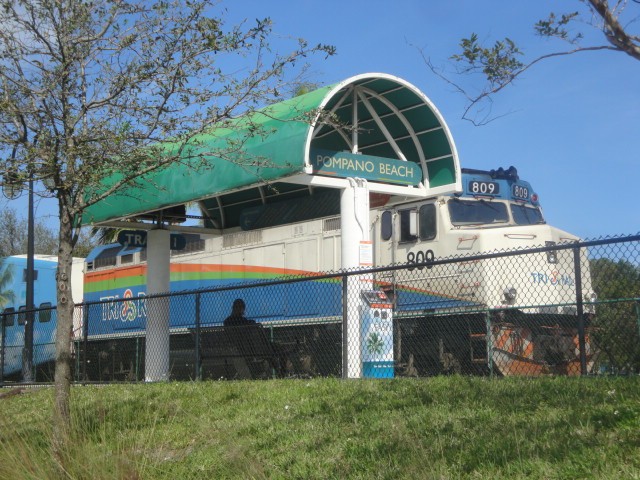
pixel 440 428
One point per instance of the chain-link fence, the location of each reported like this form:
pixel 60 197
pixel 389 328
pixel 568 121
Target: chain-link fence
pixel 565 309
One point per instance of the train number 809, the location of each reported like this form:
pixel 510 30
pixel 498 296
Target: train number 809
pixel 421 258
pixel 484 188
pixel 520 192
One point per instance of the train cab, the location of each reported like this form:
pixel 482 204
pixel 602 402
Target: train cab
pixel 527 301
pixel 496 211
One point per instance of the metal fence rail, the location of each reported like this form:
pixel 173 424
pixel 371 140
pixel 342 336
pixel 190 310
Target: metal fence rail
pixel 567 309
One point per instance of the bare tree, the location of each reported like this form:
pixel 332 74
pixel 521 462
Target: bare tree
pixel 89 90
pixel 13 235
pixel 500 64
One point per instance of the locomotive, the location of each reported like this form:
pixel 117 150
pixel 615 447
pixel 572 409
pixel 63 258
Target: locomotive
pixel 508 315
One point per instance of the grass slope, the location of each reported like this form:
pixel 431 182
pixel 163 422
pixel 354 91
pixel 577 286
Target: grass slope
pixel 440 428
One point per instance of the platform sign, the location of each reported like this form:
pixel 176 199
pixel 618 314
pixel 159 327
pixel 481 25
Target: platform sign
pixel 377 169
pixel 138 238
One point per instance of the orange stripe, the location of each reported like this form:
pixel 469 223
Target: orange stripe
pixel 116 273
pixel 504 338
pixel 526 336
pixel 122 272
pixel 212 267
pixel 528 352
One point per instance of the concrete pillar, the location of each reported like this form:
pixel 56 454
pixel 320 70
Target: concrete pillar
pixel 158 276
pixel 356 253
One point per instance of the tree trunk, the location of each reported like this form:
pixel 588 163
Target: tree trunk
pixel 61 406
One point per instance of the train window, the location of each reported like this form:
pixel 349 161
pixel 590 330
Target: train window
pixel 523 215
pixel 44 315
pixel 386 225
pixel 9 316
pixel 428 222
pixel 22 315
pixel 408 227
pixel 477 212
pixel 128 258
pixel 107 258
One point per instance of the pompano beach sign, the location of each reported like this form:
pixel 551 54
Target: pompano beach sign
pixel 378 169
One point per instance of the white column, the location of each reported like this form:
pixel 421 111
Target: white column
pixel 157 342
pixel 354 224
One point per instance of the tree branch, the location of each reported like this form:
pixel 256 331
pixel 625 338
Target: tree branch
pixel 614 32
pixel 486 93
pixel 500 63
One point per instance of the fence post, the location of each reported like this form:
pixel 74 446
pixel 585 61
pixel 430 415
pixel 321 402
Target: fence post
pixel 197 339
pixel 85 339
pixel 138 357
pixel 345 340
pixel 580 310
pixel 487 320
pixel 2 345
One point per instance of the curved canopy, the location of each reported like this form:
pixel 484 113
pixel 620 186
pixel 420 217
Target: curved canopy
pixel 267 157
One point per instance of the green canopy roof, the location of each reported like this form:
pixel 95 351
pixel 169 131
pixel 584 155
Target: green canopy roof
pixel 264 158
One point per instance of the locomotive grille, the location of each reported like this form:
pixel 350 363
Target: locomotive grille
pixel 331 224
pixel 242 238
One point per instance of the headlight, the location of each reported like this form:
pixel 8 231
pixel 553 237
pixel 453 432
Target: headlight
pixel 510 295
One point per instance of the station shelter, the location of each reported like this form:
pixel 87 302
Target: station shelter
pixel 357 143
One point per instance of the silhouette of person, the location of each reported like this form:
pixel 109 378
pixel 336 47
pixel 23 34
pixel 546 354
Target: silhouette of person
pixel 252 341
pixel 237 318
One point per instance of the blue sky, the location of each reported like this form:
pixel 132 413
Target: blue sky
pixel 573 131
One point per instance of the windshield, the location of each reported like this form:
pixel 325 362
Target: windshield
pixel 477 212
pixel 524 215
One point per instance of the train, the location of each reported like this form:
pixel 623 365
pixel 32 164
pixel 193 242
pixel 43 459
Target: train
pixel 531 299
pixel 14 310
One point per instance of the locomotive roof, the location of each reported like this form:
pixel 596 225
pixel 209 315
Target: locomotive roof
pixel 394 120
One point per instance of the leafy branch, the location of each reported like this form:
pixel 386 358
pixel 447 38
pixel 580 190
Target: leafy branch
pixel 503 62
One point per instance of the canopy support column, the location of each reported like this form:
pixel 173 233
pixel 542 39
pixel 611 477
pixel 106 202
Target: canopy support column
pixel 356 253
pixel 158 275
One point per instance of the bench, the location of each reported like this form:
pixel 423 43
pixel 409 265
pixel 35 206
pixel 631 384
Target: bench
pixel 238 352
